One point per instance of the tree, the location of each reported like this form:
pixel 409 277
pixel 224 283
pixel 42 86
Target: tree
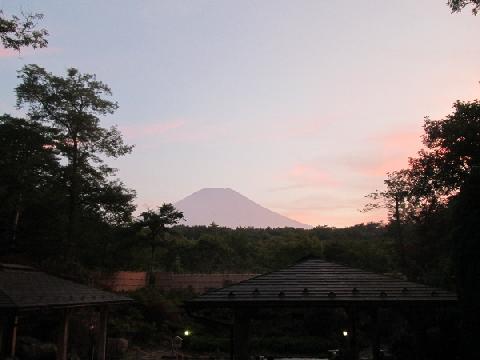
pixel 442 184
pixel 436 175
pixel 28 165
pixel 155 225
pixel 72 106
pixel 458 5
pixel 466 235
pixel 394 199
pixel 452 147
pixel 16 32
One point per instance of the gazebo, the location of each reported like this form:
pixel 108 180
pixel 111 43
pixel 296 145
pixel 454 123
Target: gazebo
pixel 24 290
pixel 317 283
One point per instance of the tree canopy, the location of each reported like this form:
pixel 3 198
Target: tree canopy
pixel 458 5
pixel 17 32
pixel 71 106
pixel 154 225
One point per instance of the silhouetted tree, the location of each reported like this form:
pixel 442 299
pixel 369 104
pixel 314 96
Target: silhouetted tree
pixel 16 32
pixel 155 225
pixel 394 199
pixel 466 238
pixel 458 5
pixel 28 165
pixel 72 105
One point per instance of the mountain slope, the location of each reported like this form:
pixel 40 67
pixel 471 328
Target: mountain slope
pixel 229 208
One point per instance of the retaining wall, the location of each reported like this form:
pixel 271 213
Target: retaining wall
pixel 198 283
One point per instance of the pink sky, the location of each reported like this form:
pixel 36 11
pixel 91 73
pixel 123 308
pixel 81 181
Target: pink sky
pixel 302 106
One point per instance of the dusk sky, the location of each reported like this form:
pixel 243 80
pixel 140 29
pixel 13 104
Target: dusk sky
pixel 302 106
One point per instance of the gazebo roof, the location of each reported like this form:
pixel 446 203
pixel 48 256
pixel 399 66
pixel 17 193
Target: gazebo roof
pixel 23 288
pixel 315 282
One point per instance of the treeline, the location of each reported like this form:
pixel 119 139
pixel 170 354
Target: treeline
pixel 211 249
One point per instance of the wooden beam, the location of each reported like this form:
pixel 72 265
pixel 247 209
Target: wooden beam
pixel 62 341
pixel 241 327
pixel 102 334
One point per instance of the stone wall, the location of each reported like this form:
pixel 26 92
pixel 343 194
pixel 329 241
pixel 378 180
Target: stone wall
pixel 198 283
pixel 123 280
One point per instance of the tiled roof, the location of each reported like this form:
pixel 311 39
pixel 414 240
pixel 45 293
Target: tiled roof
pixel 315 282
pixel 25 289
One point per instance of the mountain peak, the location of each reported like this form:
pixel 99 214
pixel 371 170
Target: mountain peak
pixel 227 207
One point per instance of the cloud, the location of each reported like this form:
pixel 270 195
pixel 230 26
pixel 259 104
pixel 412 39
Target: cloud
pixel 388 152
pixel 310 175
pixel 148 130
pixel 334 217
pixel 302 176
pixel 27 52
pixel 202 132
pixel 6 53
pixel 376 165
pixel 403 141
pixel 289 129
pixel 338 206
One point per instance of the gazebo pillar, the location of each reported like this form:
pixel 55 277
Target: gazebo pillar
pixel 416 322
pixel 62 341
pixel 8 335
pixel 102 334
pixel 241 334
pixel 352 315
pixel 375 336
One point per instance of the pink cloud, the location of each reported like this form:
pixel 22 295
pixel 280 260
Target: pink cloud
pixel 297 128
pixel 6 53
pixel 288 129
pixel 150 129
pixel 202 133
pixel 390 153
pixel 10 53
pixel 333 217
pixel 404 141
pixel 301 176
pixel 379 166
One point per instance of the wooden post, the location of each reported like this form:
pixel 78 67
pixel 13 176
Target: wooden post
pixel 240 334
pixel 420 336
pixel 352 314
pixel 62 341
pixel 8 335
pixel 231 343
pixel 2 334
pixel 102 334
pixel 375 334
pixel 416 322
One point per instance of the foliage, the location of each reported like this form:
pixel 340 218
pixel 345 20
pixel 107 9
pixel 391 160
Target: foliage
pixel 154 226
pixel 156 223
pixel 71 106
pixel 466 235
pixel 458 5
pixel 439 192
pixel 29 173
pixel 16 32
pixel 218 249
pixel 154 317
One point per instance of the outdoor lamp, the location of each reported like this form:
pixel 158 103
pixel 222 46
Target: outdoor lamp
pixel 345 333
pixel 187 333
